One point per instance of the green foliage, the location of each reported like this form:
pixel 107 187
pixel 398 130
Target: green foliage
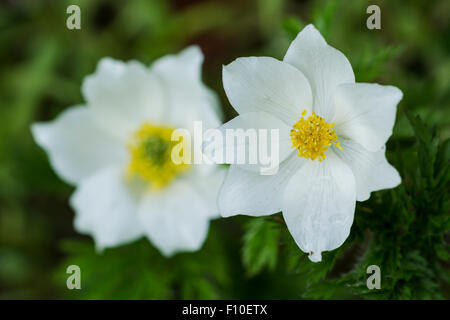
pixel 260 249
pixel 322 17
pixel 323 14
pixel 292 26
pixel 371 63
pixel 139 271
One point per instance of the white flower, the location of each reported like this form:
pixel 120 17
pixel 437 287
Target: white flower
pixel 332 140
pixel 116 151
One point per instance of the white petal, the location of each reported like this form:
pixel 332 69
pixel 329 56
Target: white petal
pixel 176 218
pixel 106 208
pixel 269 85
pixel 123 96
pixel 249 193
pixel 188 97
pixel 208 183
pixel 365 112
pixel 324 67
pixel 371 170
pixel 319 204
pixel 248 135
pixel 76 146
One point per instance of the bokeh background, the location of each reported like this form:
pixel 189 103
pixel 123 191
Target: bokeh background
pixel 405 231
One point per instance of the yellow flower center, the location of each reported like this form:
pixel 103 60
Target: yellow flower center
pixel 150 150
pixel 312 136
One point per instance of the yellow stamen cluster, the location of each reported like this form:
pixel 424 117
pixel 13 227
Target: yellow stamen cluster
pixel 150 151
pixel 312 136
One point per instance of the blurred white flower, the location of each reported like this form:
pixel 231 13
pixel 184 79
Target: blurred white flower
pixel 116 151
pixel 332 140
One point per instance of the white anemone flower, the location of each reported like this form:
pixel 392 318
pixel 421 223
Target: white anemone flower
pixel 116 150
pixel 332 140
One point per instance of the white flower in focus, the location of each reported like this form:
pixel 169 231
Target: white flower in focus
pixel 332 140
pixel 117 148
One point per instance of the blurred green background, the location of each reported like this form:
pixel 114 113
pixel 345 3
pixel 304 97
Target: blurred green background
pixel 405 231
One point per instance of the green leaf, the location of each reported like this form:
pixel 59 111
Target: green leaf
pixel 260 248
pixel 292 26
